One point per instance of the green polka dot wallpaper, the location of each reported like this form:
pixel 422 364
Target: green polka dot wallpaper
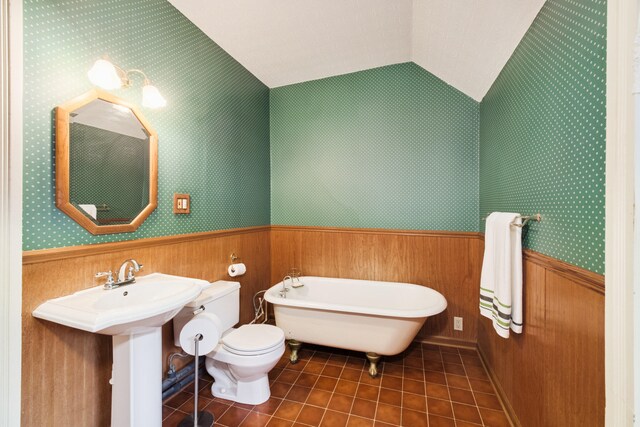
pixel 542 133
pixel 213 133
pixel 391 147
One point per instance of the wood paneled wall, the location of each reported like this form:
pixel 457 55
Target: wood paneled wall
pixel 66 371
pixel 448 262
pixel 553 373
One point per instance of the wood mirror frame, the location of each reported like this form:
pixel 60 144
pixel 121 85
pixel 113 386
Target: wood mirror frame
pixel 63 202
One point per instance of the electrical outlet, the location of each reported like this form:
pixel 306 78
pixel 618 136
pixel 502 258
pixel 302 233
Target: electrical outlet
pixel 457 323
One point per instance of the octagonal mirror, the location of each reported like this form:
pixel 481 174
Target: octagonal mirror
pixel 106 163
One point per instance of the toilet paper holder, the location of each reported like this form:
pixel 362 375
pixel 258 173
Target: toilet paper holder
pixel 234 258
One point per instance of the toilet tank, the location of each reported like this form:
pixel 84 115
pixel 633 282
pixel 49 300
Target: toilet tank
pixel 222 298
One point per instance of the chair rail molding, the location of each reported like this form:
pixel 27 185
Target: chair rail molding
pixel 619 235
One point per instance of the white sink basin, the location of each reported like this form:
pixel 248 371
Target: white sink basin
pixel 133 314
pixel 150 302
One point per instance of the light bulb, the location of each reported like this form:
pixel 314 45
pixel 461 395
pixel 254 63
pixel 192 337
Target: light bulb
pixel 151 97
pixel 104 74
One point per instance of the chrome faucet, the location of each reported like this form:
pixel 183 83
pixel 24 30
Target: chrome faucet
pixel 133 268
pixel 283 292
pixel 293 282
pixel 122 280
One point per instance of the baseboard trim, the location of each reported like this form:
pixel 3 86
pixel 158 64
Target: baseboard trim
pixel 449 342
pixel 502 396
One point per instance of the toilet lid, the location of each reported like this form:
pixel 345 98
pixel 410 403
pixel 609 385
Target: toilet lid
pixel 251 339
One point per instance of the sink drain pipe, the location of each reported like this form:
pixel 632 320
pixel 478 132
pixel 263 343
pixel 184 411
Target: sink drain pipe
pixel 177 380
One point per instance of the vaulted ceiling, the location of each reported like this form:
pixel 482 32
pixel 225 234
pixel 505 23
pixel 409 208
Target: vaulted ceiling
pixel 463 42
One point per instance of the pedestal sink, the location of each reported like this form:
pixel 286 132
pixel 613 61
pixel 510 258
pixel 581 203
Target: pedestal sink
pixel 133 315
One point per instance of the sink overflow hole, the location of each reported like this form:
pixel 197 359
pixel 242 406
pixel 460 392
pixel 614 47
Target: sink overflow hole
pixel 125 293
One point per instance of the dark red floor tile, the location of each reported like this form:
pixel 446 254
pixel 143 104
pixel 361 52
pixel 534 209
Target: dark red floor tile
pixel 288 376
pixel 484 400
pixel 458 381
pixel 178 400
pixel 233 416
pixel 288 410
pixel 326 383
pixel 481 386
pixel 311 415
pixel 415 402
pixel 437 421
pixel 493 418
pixel 279 422
pixel 351 374
pixel 334 419
pixel 388 413
pixel 391 397
pixel 367 392
pixel 411 386
pixel 391 382
pixel 439 407
pixel 298 393
pixel 435 377
pixel 255 419
pixel 340 402
pixel 364 408
pixel 454 368
pixel 279 389
pixel 332 371
pixel 346 387
pixel 313 368
pixel 461 396
pixel 306 379
pixel 269 407
pixel 438 391
pixel 413 418
pixel 466 413
pixel 355 421
pixel 319 398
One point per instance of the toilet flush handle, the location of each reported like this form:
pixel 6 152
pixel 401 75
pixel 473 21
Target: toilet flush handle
pixel 199 310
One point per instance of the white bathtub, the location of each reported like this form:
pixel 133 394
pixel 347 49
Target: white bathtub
pixel 361 315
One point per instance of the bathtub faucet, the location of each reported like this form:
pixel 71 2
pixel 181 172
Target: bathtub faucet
pixel 283 292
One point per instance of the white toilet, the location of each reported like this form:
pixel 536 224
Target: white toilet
pixel 244 356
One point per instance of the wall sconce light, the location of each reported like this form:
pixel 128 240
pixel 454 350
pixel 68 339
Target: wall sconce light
pixel 109 76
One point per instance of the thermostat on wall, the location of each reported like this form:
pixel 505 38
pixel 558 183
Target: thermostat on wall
pixel 181 203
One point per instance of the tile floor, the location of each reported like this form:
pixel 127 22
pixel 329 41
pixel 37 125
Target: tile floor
pixel 427 385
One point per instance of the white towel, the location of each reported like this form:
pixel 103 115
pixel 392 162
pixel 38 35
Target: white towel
pixel 501 279
pixel 90 209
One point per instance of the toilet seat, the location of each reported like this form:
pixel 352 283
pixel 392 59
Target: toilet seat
pixel 253 340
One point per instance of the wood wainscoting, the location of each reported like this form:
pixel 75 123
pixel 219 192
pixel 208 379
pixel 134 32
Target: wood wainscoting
pixel 65 372
pixel 448 262
pixel 553 373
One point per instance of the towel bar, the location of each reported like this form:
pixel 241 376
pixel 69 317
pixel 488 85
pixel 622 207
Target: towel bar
pixel 525 219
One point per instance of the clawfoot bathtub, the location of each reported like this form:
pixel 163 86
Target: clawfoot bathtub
pixel 378 318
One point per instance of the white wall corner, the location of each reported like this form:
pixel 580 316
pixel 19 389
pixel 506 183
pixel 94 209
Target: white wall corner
pixel 619 221
pixel 11 211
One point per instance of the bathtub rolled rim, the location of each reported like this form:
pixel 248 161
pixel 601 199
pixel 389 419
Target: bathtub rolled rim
pixel 273 297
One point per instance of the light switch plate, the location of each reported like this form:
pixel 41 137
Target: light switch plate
pixel 181 203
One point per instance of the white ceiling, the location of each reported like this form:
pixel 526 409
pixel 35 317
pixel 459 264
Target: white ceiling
pixel 465 43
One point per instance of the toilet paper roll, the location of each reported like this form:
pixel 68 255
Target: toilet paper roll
pixel 237 269
pixel 206 324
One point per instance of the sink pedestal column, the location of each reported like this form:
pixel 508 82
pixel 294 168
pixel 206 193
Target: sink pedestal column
pixel 136 394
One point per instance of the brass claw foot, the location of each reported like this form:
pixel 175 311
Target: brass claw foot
pixel 374 358
pixel 294 346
